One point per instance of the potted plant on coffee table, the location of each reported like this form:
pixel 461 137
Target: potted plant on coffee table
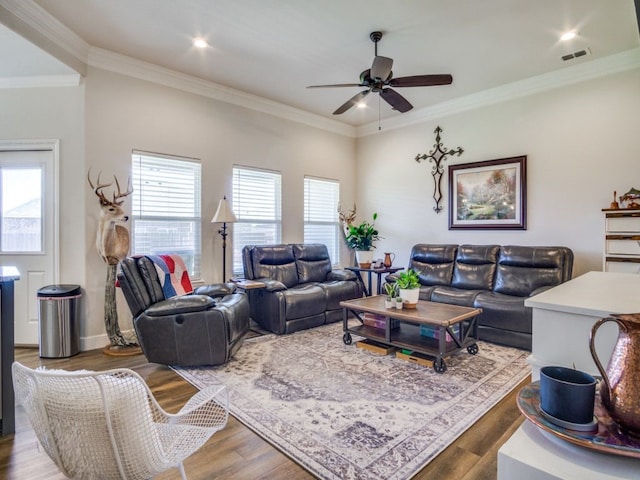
pixel 392 292
pixel 408 285
pixel 361 238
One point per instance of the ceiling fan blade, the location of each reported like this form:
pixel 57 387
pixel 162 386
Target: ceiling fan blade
pixel 351 102
pixel 381 67
pixel 397 101
pixel 421 81
pixel 337 85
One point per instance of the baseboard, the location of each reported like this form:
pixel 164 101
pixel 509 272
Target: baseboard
pixel 100 341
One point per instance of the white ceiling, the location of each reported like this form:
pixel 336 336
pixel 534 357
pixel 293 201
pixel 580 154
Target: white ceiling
pixel 275 48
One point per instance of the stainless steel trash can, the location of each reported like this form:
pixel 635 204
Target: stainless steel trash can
pixel 59 333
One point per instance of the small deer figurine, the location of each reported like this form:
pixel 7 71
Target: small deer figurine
pixel 112 239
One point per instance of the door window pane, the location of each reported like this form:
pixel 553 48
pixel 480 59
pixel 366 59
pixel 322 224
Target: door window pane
pixel 21 201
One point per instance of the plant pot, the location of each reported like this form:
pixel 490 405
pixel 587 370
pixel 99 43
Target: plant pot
pixel 410 297
pixel 399 304
pixel 364 258
pixel 389 303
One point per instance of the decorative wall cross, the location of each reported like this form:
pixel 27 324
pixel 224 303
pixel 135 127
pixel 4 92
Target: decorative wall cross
pixel 437 156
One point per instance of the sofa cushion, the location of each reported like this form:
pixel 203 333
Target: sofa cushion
pixel 454 296
pixel 505 312
pixel 275 262
pixel 303 301
pixel 338 291
pixel 312 262
pixel 521 269
pixel 475 267
pixel 433 263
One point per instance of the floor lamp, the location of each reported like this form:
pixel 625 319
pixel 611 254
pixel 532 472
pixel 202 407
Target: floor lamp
pixel 224 215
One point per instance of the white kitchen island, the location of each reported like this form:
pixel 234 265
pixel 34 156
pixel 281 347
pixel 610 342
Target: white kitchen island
pixel 563 317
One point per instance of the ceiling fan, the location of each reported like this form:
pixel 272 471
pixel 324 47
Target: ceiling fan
pixel 379 78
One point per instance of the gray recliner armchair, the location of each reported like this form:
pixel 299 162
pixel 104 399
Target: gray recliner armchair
pixel 206 327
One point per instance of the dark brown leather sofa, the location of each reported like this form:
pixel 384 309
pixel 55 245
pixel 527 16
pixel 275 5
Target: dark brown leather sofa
pixel 495 278
pixel 301 289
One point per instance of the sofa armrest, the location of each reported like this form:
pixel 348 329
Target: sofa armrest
pixel 180 305
pixel 541 289
pixel 341 274
pixel 272 285
pixel 215 290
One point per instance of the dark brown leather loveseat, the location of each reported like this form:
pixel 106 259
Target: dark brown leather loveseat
pixel 301 289
pixel 495 278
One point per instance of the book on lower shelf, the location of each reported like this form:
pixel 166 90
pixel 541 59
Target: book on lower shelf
pixel 379 321
pixel 434 332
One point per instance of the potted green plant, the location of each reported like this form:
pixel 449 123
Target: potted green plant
pixel 392 292
pixel 408 285
pixel 362 238
pixel 399 303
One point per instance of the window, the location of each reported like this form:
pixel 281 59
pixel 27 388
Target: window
pixel 21 209
pixel 166 207
pixel 321 224
pixel 257 204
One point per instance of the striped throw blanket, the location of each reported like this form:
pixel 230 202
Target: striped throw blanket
pixel 172 273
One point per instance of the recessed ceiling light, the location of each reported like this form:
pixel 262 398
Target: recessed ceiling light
pixel 361 105
pixel 200 43
pixel 568 36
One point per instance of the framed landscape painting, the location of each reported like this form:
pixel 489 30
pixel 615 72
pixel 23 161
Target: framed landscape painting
pixel 488 195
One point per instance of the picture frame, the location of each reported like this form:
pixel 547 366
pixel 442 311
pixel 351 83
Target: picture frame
pixel 489 195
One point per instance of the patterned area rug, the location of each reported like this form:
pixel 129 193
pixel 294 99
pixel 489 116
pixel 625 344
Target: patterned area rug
pixel 345 413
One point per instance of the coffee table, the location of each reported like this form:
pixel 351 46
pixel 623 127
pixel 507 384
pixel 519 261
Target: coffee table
pixel 407 335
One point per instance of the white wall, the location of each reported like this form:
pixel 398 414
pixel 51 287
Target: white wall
pixel 123 114
pixel 581 144
pixel 55 113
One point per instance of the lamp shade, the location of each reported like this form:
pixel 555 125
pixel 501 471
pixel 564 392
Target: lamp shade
pixel 224 214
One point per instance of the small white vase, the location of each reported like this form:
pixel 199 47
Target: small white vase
pixel 389 303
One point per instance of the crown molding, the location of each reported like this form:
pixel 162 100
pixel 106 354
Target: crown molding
pixel 39 19
pixel 114 62
pixel 41 81
pixel 601 67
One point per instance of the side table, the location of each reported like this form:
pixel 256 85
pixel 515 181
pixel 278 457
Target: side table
pixel 378 271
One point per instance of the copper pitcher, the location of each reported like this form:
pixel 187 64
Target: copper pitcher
pixel 388 259
pixel 620 386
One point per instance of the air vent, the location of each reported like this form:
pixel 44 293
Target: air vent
pixel 578 54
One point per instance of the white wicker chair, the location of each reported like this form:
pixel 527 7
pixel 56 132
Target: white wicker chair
pixel 108 425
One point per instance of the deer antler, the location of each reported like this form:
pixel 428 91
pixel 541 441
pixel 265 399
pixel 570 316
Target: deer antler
pixel 120 194
pixel 349 217
pixel 98 187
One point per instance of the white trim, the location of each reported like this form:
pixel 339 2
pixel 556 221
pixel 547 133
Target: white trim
pixel 132 67
pixel 47 25
pixel 619 62
pixel 54 146
pixel 39 81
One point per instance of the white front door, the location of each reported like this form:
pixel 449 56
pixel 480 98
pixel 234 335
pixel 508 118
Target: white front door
pixel 28 226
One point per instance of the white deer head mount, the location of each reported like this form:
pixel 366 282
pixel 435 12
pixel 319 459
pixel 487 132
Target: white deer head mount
pixel 112 238
pixel 346 218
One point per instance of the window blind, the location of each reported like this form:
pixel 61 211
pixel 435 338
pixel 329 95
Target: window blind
pixel 166 207
pixel 257 204
pixel 321 224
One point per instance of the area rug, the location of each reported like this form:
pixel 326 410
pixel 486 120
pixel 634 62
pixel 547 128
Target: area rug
pixel 346 413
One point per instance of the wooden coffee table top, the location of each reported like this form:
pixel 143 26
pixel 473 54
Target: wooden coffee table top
pixel 430 313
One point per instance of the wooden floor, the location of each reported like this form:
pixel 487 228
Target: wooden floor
pixel 236 452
